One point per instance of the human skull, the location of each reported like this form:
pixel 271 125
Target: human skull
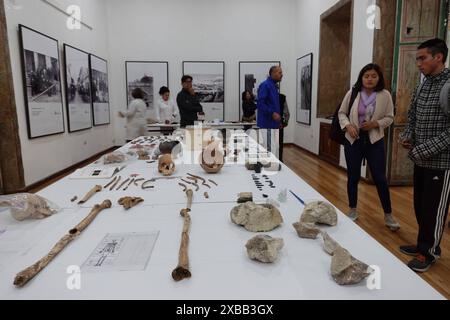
pixel 166 165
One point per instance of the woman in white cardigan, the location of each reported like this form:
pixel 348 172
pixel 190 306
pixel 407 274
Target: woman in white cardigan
pixel 166 109
pixel 136 115
pixel 364 123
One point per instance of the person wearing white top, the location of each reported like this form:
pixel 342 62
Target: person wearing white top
pixel 166 109
pixel 136 115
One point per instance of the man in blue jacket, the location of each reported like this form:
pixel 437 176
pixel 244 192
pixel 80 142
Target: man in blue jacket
pixel 269 110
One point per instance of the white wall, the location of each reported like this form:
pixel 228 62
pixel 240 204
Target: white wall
pixel 218 30
pixel 44 156
pixel 308 24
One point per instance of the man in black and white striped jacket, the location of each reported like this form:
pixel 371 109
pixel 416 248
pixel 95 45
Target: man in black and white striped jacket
pixel 427 136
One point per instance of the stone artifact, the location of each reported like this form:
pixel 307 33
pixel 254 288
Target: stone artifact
pixel 29 273
pixel 319 212
pixel 264 248
pixel 206 195
pixel 130 202
pixel 329 244
pixel 165 165
pixel 306 230
pixel 90 194
pixel 256 218
pixel 212 159
pixel 346 270
pixel 182 270
pixel 27 206
pixel 115 157
pixel 244 197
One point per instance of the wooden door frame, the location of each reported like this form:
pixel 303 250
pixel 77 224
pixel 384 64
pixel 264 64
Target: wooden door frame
pixel 11 165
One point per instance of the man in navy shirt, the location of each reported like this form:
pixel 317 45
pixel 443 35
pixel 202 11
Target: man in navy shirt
pixel 269 110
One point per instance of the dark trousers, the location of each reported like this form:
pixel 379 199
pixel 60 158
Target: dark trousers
pixel 375 156
pixel 431 203
pixel 281 139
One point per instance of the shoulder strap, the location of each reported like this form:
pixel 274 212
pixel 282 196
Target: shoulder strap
pixel 352 99
pixel 445 98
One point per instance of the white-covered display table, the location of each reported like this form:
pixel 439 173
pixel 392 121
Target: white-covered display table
pixel 218 259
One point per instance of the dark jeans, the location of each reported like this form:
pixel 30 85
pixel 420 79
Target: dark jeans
pixel 375 156
pixel 281 139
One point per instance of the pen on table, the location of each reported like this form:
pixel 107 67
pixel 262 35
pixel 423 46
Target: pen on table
pixel 298 198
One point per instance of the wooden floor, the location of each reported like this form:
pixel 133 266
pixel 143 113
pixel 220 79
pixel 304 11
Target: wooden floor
pixel 332 184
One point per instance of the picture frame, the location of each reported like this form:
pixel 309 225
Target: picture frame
pixel 98 69
pixel 150 76
pixel 41 73
pixel 78 89
pixel 304 89
pixel 251 75
pixel 209 84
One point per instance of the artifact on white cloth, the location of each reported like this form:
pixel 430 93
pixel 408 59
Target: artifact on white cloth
pixel 346 270
pixel 143 154
pixel 28 206
pixel 256 218
pixel 90 194
pixel 206 195
pixel 170 147
pixel 319 212
pixel 166 166
pixel 182 270
pixel 329 244
pixel 115 183
pixel 244 197
pixel 111 182
pixel 145 185
pixel 122 184
pixel 192 183
pixel 130 202
pixel 29 273
pixel 75 198
pixel 184 186
pixel 114 157
pixel 264 248
pixel 203 180
pixel 212 159
pixel 306 230
pixel 213 182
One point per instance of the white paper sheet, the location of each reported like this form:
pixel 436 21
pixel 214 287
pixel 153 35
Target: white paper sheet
pixel 121 252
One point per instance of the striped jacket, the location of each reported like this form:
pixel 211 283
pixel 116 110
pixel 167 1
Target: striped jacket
pixel 428 126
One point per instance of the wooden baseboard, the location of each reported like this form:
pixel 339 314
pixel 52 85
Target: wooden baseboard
pixel 293 145
pixel 60 174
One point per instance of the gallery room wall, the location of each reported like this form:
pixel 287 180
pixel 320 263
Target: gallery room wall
pixel 43 157
pixel 308 18
pixel 193 30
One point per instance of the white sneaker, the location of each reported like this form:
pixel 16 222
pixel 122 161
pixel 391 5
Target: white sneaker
pixel 391 223
pixel 353 214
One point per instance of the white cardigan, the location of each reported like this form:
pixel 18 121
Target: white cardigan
pixel 166 111
pixel 384 115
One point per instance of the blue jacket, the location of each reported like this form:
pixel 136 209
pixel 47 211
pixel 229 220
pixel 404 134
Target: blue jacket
pixel 268 104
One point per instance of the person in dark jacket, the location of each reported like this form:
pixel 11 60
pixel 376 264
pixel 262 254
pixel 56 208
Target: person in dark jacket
pixel 427 137
pixel 188 103
pixel 248 107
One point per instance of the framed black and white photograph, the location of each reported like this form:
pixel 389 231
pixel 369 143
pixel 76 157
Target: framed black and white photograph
pixel 304 89
pixel 100 90
pixel 149 76
pixel 78 89
pixel 42 83
pixel 209 85
pixel 251 75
